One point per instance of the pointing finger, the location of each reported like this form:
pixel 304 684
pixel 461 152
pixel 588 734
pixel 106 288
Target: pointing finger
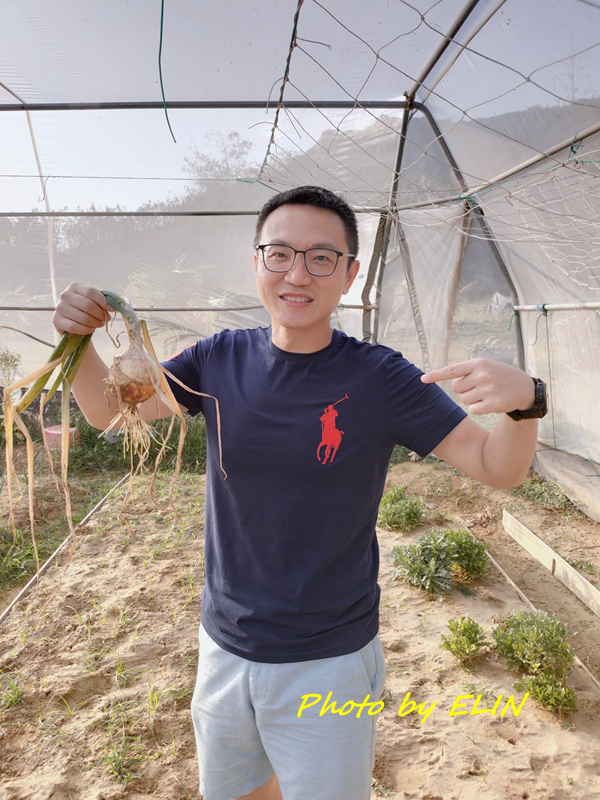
pixel 449 372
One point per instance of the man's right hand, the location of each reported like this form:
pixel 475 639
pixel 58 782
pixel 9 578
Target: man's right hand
pixel 80 309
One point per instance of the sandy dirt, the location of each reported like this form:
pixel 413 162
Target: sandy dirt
pixel 105 657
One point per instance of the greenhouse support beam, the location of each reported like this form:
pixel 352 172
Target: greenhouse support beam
pixel 478 214
pixel 469 191
pixel 540 157
pixel 150 309
pixel 156 310
pixel 461 48
pixel 212 105
pixel 371 276
pixel 389 220
pixel 129 214
pixel 444 45
pixel 155 213
pixel 543 307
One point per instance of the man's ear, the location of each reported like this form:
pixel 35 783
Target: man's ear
pixel 351 275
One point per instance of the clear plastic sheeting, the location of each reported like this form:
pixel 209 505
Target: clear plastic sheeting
pixel 573 423
pixel 519 78
pixel 202 267
pixel 546 221
pixel 94 52
pixel 419 284
pixel 471 130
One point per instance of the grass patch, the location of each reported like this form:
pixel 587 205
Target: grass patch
pixel 425 564
pixel 544 492
pixel 11 690
pixel 96 453
pixel 121 758
pixel 17 558
pixel 582 565
pixel 17 555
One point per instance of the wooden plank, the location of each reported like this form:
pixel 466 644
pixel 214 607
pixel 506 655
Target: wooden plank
pixel 565 573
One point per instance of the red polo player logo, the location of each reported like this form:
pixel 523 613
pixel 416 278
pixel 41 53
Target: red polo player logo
pixel 330 435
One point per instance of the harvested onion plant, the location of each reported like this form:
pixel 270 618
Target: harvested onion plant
pixel 134 377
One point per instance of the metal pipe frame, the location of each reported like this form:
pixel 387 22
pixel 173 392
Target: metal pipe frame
pixel 477 214
pixel 543 307
pixel 371 308
pixel 212 105
pixel 388 222
pixel 449 39
pixel 155 213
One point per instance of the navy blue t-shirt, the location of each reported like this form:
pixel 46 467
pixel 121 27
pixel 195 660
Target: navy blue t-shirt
pixel 291 553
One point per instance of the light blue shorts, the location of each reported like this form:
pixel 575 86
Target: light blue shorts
pixel 247 723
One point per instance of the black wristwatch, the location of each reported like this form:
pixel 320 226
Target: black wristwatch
pixel 540 408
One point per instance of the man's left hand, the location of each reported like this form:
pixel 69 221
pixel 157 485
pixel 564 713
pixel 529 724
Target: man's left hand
pixel 487 386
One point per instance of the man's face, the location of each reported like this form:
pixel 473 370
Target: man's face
pixel 299 303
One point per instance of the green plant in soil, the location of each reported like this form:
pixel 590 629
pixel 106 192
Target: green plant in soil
pixel 440 558
pixel 467 639
pixel 535 642
pixel 425 564
pixel 470 560
pixel 11 690
pixel 17 558
pixel 121 758
pixel 10 363
pixel 399 510
pixel 549 691
pixel 582 565
pixel 545 492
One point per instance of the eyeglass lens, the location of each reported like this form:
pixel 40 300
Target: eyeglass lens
pixel 320 262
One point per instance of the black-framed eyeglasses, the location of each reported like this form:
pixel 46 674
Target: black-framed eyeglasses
pixel 319 261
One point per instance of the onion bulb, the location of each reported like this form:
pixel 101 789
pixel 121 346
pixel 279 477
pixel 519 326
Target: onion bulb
pixel 133 377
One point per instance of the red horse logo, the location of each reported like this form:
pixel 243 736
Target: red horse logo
pixel 330 435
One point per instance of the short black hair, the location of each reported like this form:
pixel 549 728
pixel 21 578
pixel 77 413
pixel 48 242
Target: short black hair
pixel 312 196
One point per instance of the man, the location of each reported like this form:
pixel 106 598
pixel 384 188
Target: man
pixel 309 420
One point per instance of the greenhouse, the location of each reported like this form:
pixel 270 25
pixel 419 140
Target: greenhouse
pixel 140 140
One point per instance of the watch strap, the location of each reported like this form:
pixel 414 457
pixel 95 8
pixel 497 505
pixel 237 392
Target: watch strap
pixel 539 410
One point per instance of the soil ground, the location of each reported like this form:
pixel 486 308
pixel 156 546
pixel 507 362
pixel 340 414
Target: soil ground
pixel 104 654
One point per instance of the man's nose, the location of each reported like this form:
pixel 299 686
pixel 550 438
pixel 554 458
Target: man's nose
pixel 298 272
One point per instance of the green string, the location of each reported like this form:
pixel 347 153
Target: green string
pixel 573 149
pixel 162 90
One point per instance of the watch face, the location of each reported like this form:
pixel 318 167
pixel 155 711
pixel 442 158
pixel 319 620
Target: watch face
pixel 541 403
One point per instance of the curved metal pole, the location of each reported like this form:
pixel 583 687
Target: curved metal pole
pixel 478 215
pixel 388 223
pixel 449 39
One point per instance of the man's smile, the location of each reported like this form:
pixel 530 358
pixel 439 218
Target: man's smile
pixel 296 298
